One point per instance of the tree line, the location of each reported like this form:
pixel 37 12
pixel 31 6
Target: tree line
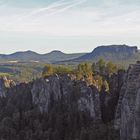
pixel 97 73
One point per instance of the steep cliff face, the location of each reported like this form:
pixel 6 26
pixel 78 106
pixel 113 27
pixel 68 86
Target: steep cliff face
pixel 63 108
pixel 46 92
pixel 109 100
pixel 46 109
pixel 127 121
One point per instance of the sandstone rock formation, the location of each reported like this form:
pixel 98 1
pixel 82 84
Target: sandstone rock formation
pixel 73 93
pixel 109 100
pixel 4 84
pixel 110 52
pixel 48 108
pixel 127 122
pixel 60 106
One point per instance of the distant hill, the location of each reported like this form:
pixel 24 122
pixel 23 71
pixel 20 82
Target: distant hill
pixel 119 54
pixel 56 56
pixel 111 52
pixel 33 56
pixel 20 56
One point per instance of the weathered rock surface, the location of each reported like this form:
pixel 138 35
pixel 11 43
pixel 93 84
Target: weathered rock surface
pixel 127 121
pixel 46 109
pixel 46 92
pixel 4 84
pixel 109 100
pixel 59 106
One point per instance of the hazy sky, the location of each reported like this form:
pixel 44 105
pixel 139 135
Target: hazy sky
pixel 67 25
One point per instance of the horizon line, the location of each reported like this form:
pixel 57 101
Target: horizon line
pixel 61 51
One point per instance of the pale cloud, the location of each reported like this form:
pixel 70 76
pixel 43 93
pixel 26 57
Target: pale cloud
pixel 90 21
pixel 76 18
pixel 31 17
pixel 53 8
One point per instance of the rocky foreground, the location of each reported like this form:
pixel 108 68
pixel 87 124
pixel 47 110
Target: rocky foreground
pixel 60 108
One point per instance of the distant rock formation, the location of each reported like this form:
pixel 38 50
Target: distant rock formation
pixel 116 49
pixel 110 52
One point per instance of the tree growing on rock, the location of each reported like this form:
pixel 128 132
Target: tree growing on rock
pixel 63 69
pixel 84 71
pixel 111 68
pixel 48 70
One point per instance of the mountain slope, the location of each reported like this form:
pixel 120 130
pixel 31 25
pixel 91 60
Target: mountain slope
pixel 27 55
pixel 56 56
pixel 33 56
pixel 111 52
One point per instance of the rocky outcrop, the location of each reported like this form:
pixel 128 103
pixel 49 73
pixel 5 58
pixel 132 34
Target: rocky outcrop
pixel 60 106
pixel 45 92
pixel 4 85
pixel 50 108
pixel 109 100
pixel 127 121
pixel 110 52
pixel 129 50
